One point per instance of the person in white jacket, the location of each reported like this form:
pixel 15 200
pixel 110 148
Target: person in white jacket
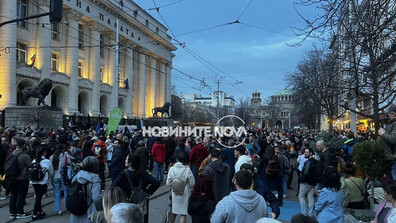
pixel 240 154
pixel 40 187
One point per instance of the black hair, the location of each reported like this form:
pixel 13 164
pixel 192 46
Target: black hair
pixel 241 149
pixel 331 179
pixel 90 164
pixel 247 166
pixel 244 179
pixel 40 153
pixel 390 188
pixel 310 150
pixel 20 143
pixel 215 153
pixel 181 157
pixel 300 218
pixel 350 169
pixel 135 161
pixel 60 148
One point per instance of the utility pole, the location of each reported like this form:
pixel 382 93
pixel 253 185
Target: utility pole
pixel 116 67
pixel 217 81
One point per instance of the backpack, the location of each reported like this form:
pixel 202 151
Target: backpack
pixel 285 165
pixel 98 150
pixel 178 185
pixel 138 196
pixel 76 200
pixel 66 173
pixel 36 173
pixel 315 173
pixel 273 167
pixel 11 166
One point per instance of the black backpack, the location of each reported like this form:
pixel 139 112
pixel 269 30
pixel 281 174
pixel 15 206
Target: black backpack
pixel 315 173
pixel 36 173
pixel 138 196
pixel 77 199
pixel 273 167
pixel 11 166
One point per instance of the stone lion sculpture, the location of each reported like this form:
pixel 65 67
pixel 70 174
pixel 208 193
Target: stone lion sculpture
pixel 40 92
pixel 164 109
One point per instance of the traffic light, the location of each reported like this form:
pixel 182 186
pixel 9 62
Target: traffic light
pixel 56 11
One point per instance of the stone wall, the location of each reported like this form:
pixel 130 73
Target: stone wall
pixel 46 117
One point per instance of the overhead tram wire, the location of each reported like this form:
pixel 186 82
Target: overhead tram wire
pixel 169 4
pixel 243 12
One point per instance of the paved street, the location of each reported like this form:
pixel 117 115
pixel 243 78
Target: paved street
pixel 158 207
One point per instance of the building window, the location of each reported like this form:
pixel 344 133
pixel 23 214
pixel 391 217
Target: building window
pixel 147 23
pixel 101 74
pixel 157 30
pixel 22 11
pixel 80 36
pixel 135 13
pixel 21 51
pixel 101 45
pixel 55 31
pixel 80 68
pixel 54 61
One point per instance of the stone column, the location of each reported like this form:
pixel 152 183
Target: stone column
pixel 72 56
pixel 168 83
pixel 8 35
pixel 162 83
pixel 44 39
pixel 141 90
pixel 94 66
pixel 112 74
pixel 129 74
pixel 135 83
pixel 151 85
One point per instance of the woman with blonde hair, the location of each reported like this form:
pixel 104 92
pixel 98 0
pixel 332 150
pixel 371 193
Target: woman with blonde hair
pixel 111 197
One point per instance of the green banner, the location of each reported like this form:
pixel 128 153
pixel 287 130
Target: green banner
pixel 114 119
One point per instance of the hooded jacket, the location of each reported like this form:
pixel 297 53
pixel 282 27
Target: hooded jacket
pixel 94 194
pixel 159 152
pixel 198 154
pixel 240 206
pixel 220 173
pixel 241 160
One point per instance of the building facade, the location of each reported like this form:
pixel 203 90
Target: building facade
pixel 79 56
pixel 277 112
pixel 219 97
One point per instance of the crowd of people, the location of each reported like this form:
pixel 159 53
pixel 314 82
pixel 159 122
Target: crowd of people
pixel 209 182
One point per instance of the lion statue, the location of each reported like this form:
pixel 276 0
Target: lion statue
pixel 164 109
pixel 40 92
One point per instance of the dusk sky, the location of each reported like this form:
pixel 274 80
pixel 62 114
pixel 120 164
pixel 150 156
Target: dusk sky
pixel 258 57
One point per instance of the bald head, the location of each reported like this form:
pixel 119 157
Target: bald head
pixel 321 145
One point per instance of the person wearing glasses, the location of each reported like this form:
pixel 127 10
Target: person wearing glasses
pixel 388 136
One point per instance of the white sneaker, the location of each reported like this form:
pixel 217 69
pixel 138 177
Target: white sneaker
pixel 284 196
pixel 60 213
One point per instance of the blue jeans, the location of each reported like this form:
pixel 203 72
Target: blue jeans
pixel 284 183
pixel 394 169
pixel 194 170
pixel 159 171
pixel 58 184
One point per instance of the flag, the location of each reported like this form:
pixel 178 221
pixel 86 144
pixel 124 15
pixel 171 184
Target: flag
pixel 126 84
pixel 32 60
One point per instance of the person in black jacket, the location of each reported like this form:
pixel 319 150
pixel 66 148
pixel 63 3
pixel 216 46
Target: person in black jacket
pixel 202 203
pixel 117 160
pixel 260 187
pixel 307 187
pixel 149 183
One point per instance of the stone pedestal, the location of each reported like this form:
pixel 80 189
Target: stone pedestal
pixel 46 117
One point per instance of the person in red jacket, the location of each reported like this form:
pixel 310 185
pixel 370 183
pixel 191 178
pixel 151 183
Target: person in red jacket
pixel 99 149
pixel 197 155
pixel 158 152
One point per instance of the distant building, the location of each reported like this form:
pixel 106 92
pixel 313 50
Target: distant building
pixel 225 103
pixel 276 113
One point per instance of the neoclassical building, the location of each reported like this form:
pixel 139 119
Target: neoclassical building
pixel 79 56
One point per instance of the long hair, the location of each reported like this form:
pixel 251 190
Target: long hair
pixel 203 187
pixel 86 148
pixel 60 148
pixel 111 197
pixel 270 153
pixel 40 153
pixel 331 179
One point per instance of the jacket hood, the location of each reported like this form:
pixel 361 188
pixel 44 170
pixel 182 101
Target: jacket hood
pixel 84 177
pixel 199 146
pixel 245 158
pixel 247 199
pixel 161 146
pixel 100 143
pixel 218 166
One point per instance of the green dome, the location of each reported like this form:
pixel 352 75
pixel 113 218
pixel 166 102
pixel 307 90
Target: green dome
pixel 284 92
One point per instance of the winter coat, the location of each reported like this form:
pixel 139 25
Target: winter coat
pixel 143 152
pixel 241 160
pixel 329 206
pixel 158 152
pixel 328 159
pixel 61 164
pixel 305 173
pixel 180 202
pixel 149 183
pixel 198 154
pixel 117 163
pixel 389 139
pixel 220 173
pixel 48 170
pixel 103 152
pixel 94 195
pixel 201 209
pixel 24 162
pixel 240 206
pixel 227 155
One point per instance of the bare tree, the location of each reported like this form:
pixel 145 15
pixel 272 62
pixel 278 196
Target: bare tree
pixel 363 40
pixel 243 109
